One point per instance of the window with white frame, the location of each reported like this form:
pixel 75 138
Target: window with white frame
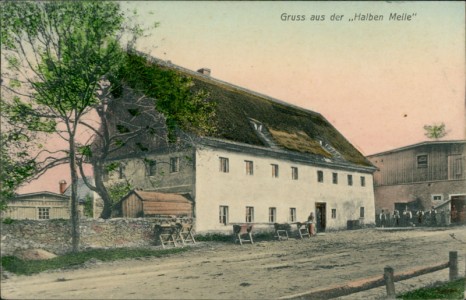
pixel 363 181
pixel 320 176
pixel 292 214
pixel 223 215
pixel 249 167
pixel 335 178
pixel 174 164
pixel 294 173
pixel 275 171
pixel 350 179
pixel 437 197
pixel 334 213
pixel 44 213
pixel 224 165
pixel 272 214
pixel 249 214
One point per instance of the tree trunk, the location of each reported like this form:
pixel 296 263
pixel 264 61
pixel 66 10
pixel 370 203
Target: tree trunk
pixel 75 236
pixel 102 190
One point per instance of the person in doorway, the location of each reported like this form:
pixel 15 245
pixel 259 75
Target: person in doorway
pixel 311 224
pixel 454 214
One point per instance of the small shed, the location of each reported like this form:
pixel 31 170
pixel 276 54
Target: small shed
pixel 150 204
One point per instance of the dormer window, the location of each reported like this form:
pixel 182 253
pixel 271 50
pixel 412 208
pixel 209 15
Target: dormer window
pixel 257 125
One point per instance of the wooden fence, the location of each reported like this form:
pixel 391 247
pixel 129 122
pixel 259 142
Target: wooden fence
pixel 388 279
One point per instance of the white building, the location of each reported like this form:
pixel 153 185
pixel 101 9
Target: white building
pixel 269 162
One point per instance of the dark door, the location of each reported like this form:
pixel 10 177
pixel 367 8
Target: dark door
pixel 321 213
pixel 458 209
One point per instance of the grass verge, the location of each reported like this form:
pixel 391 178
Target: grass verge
pixel 28 267
pixel 229 238
pixel 449 290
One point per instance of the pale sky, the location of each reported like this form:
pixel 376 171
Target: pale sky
pixel 363 76
pixel 377 82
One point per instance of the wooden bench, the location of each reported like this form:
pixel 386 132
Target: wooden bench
pixel 281 231
pixel 303 230
pixel 241 232
pixel 185 234
pixel 166 234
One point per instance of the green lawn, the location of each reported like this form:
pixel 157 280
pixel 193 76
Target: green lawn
pixel 28 267
pixel 450 290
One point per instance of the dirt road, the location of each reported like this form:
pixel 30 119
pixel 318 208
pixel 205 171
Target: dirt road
pixel 264 270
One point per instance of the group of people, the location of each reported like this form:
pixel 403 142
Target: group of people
pixel 407 218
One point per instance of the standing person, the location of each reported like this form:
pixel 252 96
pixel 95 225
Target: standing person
pixel 311 225
pixel 420 217
pixel 433 216
pixel 407 216
pixel 383 219
pixel 396 217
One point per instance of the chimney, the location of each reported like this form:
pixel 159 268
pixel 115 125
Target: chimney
pixel 204 71
pixel 62 185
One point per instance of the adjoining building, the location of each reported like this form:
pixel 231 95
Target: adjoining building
pixel 38 206
pixel 267 162
pixel 420 176
pixel 47 205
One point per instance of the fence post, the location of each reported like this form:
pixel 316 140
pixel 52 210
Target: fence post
pixel 389 282
pixel 453 264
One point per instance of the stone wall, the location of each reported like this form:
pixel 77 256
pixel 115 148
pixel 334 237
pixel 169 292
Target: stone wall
pixel 54 235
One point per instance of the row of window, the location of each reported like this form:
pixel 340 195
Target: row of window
pixel 249 216
pixel 249 167
pixel 151 167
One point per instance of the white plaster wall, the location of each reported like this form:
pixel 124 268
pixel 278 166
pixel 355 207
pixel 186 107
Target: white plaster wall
pixel 238 190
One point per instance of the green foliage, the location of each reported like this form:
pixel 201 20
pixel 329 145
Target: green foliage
pixel 218 237
pixel 8 220
pixel 119 190
pixel 74 45
pixel 449 290
pixel 16 165
pixel 435 131
pixel 22 267
pixel 182 107
pixel 88 206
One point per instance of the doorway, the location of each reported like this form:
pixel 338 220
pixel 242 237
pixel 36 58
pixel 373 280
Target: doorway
pixel 321 219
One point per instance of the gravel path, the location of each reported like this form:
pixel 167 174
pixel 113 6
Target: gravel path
pixel 265 270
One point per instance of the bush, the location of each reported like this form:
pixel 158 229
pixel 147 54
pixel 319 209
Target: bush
pixel 8 220
pixel 449 290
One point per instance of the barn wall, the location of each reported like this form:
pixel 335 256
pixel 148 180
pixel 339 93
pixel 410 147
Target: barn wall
pixel 445 162
pixel 132 206
pixel 422 192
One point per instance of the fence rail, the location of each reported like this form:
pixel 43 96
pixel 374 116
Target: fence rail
pixel 388 279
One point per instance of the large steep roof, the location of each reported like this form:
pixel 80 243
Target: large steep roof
pixel 286 126
pixel 247 117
